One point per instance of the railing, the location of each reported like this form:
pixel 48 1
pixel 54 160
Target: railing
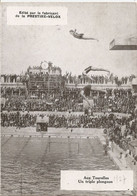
pixel 99 86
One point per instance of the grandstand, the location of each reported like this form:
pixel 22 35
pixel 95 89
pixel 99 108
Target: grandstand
pixel 45 89
pixel 44 93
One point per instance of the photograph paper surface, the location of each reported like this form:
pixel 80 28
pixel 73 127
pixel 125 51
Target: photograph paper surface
pixel 69 99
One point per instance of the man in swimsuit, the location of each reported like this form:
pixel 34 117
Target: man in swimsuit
pixel 80 35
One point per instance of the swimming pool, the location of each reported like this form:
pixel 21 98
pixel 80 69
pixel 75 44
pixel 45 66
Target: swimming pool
pixel 32 165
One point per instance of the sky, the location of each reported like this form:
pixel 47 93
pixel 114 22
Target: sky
pixel 24 46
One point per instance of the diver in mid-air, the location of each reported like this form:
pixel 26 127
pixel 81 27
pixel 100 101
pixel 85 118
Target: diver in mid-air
pixel 81 35
pixel 91 68
pixel 87 91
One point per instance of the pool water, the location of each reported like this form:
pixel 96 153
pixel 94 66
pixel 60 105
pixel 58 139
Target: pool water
pixel 31 166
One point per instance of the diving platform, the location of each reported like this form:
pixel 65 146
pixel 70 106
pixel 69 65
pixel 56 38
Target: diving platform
pixel 128 43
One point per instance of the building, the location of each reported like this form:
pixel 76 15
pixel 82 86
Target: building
pixel 43 80
pixel 12 85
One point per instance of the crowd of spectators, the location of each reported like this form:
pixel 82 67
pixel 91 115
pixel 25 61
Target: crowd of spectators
pixel 121 101
pixel 10 91
pixel 68 77
pixel 98 79
pixel 53 101
pixel 115 100
pixel 124 134
pixel 122 130
pixel 118 126
pixel 18 120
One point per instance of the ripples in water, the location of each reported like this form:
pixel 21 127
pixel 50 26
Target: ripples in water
pixel 33 167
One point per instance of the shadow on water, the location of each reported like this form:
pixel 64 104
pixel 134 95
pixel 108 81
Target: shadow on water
pixel 20 152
